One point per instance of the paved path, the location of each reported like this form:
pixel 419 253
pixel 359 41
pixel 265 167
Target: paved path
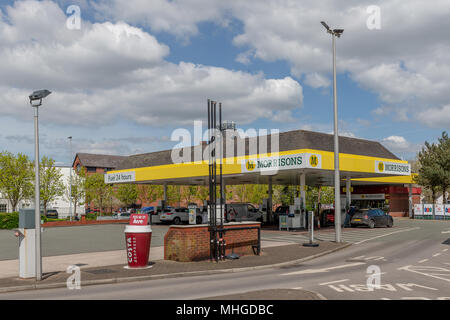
pixel 80 239
pixel 412 264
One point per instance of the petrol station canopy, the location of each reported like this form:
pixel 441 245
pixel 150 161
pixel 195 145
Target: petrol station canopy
pixel 299 151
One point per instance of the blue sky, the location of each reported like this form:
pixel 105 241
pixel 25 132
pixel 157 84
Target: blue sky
pixel 117 99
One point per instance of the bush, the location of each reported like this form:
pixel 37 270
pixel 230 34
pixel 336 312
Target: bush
pixel 9 220
pixel 91 216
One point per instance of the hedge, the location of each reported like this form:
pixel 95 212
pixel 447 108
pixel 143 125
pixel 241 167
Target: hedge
pixel 9 220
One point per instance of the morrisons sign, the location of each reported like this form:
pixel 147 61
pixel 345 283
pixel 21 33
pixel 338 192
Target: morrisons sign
pixel 285 162
pixel 403 169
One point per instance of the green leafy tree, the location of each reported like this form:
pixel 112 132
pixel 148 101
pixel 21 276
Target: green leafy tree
pixel 174 195
pixel 78 194
pixel 98 191
pixel 202 193
pixel 16 177
pixel 50 181
pixel 127 194
pixel 258 192
pixel 148 193
pixel 443 160
pixel 189 193
pixel 430 172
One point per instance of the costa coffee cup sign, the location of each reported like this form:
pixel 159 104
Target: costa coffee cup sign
pixel 139 219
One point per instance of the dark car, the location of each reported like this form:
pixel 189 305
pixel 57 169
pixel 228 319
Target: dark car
pixel 51 213
pixel 372 218
pixel 281 210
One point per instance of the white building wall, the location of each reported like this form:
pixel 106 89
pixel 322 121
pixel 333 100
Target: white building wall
pixel 61 204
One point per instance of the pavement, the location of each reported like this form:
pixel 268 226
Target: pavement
pixel 413 258
pixel 273 254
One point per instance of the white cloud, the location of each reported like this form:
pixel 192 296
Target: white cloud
pixel 396 143
pixel 316 80
pixel 406 62
pixel 109 72
pixel 436 117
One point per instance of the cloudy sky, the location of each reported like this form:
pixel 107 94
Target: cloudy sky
pixel 136 70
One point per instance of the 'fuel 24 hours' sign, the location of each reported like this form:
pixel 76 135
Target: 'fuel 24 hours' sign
pixel 285 162
pixel 129 176
pixel 402 169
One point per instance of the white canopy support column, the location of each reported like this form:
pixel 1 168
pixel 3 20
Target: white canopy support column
pixel 269 204
pixel 303 197
pixel 165 193
pixel 410 201
pixel 348 193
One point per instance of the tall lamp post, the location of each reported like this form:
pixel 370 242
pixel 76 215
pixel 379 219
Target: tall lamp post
pixel 36 101
pixel 70 179
pixel 337 186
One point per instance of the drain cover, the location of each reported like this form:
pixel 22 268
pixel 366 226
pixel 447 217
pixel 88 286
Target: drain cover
pixel 100 271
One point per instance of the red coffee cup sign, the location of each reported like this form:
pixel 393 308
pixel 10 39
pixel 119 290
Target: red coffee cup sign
pixel 138 239
pixel 138 219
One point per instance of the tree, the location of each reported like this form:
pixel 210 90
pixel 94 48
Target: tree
pixel 148 193
pixel 430 172
pixel 258 192
pixel 50 182
pixel 127 194
pixel 78 190
pixel 16 177
pixel 443 160
pixel 189 193
pixel 97 190
pixel 203 193
pixel 174 195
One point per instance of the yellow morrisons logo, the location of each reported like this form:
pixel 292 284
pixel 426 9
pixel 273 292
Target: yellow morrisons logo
pixel 313 161
pixel 250 165
pixel 381 166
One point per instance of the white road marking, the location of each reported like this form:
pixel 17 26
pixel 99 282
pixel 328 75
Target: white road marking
pixel 387 234
pixel 437 254
pixel 446 231
pixel 414 298
pixel 407 268
pixel 297 288
pixel 444 250
pixel 407 286
pixel 323 269
pixel 424 260
pixel 331 282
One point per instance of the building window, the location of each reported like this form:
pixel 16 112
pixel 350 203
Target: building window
pixel 91 169
pixel 3 207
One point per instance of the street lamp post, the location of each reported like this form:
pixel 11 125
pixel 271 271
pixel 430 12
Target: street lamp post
pixel 36 101
pixel 337 186
pixel 70 180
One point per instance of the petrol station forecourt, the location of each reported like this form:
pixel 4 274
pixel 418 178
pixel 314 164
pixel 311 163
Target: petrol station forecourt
pixel 303 158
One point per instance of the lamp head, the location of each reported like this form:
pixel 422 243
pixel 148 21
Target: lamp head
pixel 325 25
pixel 338 32
pixel 38 96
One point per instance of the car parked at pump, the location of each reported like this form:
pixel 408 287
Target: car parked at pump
pixel 280 210
pixel 326 217
pixel 175 215
pixel 244 212
pixel 371 218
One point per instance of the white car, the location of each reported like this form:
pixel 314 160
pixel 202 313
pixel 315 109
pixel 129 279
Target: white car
pixel 175 215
